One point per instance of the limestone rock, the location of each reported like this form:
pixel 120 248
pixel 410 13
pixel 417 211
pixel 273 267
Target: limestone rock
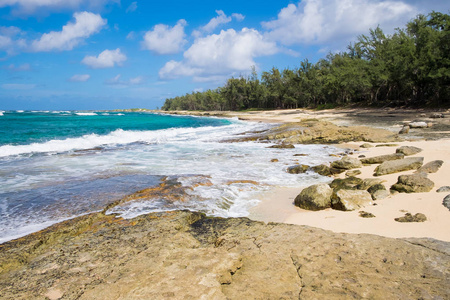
pixel 378 191
pixel 283 146
pixel 353 173
pixel 382 158
pixel 395 166
pixel 408 150
pixel 437 115
pixel 368 182
pixel 404 130
pixel 419 217
pixel 297 169
pixel 349 183
pixel 347 163
pixel 446 202
pixel 443 189
pixel 365 214
pixel 322 170
pixel 274 160
pixel 366 145
pixel 315 197
pixel 186 255
pixel 415 183
pixel 431 167
pixel 348 200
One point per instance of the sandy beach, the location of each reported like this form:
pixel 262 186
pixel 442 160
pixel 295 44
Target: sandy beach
pixel 278 204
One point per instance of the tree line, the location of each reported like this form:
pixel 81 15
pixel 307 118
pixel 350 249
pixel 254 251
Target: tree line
pixel 408 68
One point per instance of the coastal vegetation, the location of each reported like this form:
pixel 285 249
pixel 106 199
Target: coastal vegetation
pixel 408 68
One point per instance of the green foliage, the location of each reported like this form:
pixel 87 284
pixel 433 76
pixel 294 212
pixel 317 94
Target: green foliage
pixel 410 67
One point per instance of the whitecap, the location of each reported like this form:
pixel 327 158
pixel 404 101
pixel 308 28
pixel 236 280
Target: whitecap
pixel 85 114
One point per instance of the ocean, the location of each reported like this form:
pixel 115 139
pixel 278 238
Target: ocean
pixel 56 165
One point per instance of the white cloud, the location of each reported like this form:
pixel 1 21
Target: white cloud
pixel 106 59
pixel 116 81
pixel 221 18
pixel 132 7
pixel 27 7
pixel 10 42
pixel 319 21
pixel 72 34
pixel 164 39
pixel 238 17
pixel 80 78
pixel 131 35
pixel 220 54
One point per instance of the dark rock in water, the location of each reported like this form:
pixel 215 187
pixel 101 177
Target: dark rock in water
pixel 431 167
pixel 437 116
pixel 274 160
pixel 346 163
pixel 349 183
pixel 348 200
pixel 282 146
pixel 365 214
pixel 419 217
pixel 395 166
pixel 416 183
pixel 382 158
pixel 301 154
pixel 366 145
pixel 404 130
pixel 314 197
pixel 443 189
pixel 186 255
pixel 297 169
pixel 446 202
pixel 408 150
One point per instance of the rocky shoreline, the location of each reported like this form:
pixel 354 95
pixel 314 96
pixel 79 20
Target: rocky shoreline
pixel 185 254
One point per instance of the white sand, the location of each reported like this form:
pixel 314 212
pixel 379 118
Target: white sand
pixel 277 206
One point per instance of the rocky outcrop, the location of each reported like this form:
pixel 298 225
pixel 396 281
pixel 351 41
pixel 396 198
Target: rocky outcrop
pixel 349 200
pixel 382 158
pixel 314 197
pixel 297 169
pixel 186 255
pixel 446 202
pixel 431 167
pixel 408 150
pixel 416 183
pixel 395 166
pixel 407 218
pixel 346 163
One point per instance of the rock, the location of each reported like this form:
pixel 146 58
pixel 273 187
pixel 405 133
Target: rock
pixel 386 145
pixel 297 169
pixel 368 182
pixel 348 200
pixel 315 197
pixel 382 158
pixel 416 183
pixel 349 183
pixel 380 194
pixel 335 171
pixel 431 167
pixel 404 130
pixel 301 154
pixel 366 145
pixel 446 202
pixel 346 163
pixel 437 115
pixel 187 255
pixel 361 156
pixel 365 214
pixel 418 124
pixel 282 146
pixel 322 170
pixel 274 160
pixel 395 166
pixel 408 150
pixel 353 173
pixel 419 217
pixel 443 189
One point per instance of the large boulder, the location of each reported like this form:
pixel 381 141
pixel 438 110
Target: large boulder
pixel 395 166
pixel 408 150
pixel 431 167
pixel 415 183
pixel 382 158
pixel 323 170
pixel 297 169
pixel 348 200
pixel 348 183
pixel 347 163
pixel 378 191
pixel 315 197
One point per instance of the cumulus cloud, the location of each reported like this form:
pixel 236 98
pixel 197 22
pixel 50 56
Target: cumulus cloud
pixel 221 18
pixel 319 21
pixel 72 34
pixel 132 7
pixel 164 39
pixel 27 7
pixel 106 59
pixel 117 81
pixel 220 54
pixel 10 40
pixel 80 78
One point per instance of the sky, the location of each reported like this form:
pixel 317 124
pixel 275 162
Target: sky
pixel 118 54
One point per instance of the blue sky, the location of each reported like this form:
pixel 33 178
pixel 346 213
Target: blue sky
pixel 107 54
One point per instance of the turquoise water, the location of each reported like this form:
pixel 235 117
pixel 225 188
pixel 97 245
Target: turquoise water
pixel 58 165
